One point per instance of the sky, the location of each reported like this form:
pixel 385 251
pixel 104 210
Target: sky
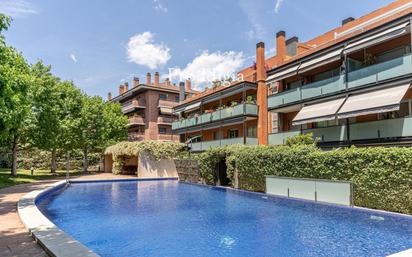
pixel 100 44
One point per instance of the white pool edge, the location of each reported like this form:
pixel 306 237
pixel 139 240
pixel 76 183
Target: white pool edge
pixel 53 240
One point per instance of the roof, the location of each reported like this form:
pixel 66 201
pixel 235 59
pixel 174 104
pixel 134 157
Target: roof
pixel 320 43
pixel 161 87
pixel 328 39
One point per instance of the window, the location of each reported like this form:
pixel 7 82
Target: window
pixel 325 75
pixel 177 98
pixel 326 123
pixel 217 135
pixel 162 130
pixel 293 85
pixel 162 96
pixel 233 133
pixel 392 54
pixel 404 111
pixel 251 131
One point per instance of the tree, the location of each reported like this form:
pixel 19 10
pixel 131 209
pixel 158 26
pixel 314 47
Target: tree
pixel 45 127
pixel 70 104
pixel 91 126
pixel 15 104
pixel 101 124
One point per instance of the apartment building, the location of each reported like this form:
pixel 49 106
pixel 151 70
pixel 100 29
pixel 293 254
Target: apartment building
pixel 148 107
pixel 352 85
pixel 349 86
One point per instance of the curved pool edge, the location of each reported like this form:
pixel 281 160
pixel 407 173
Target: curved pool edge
pixel 58 243
pixel 52 239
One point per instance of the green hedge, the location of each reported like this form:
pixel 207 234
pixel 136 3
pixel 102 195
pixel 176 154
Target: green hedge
pixel 382 177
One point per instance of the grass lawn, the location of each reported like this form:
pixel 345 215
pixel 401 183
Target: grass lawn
pixel 24 176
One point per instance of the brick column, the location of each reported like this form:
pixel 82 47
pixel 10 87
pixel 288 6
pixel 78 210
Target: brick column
pixel 262 128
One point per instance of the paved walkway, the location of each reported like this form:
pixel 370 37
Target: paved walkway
pixel 14 238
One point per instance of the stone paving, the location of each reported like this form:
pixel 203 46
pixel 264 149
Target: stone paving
pixel 14 238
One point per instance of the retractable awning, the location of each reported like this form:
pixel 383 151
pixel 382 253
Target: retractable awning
pixel 377 38
pixel 283 74
pixel 192 107
pixel 321 60
pixel 166 110
pixel 318 112
pixel 383 100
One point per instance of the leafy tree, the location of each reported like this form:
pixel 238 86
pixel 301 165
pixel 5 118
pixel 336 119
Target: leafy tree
pixel 101 124
pixel 70 104
pixel 91 126
pixel 45 127
pixel 15 104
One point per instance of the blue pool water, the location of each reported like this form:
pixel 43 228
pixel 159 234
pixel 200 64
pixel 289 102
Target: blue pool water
pixel 168 218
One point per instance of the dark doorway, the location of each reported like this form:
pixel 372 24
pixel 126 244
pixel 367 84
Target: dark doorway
pixel 221 174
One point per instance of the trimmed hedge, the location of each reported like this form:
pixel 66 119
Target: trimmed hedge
pixel 382 177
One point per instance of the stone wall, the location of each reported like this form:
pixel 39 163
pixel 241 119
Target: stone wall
pixel 188 170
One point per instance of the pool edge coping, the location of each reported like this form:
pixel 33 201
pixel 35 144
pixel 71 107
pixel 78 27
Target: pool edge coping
pixel 50 237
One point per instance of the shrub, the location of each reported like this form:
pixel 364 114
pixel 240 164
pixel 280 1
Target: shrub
pixel 382 177
pixel 301 139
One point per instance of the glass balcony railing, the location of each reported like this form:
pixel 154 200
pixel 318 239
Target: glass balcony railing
pixel 371 74
pixel 380 71
pixel 401 127
pixel 280 138
pixel 392 128
pixel 205 145
pixel 229 112
pixel 323 87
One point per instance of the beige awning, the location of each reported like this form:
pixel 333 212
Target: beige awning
pixel 166 110
pixel 289 72
pixel 377 38
pixel 382 100
pixel 192 107
pixel 323 59
pixel 318 112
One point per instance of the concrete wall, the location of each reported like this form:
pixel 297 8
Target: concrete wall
pixel 151 168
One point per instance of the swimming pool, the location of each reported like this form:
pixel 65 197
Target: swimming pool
pixel 169 218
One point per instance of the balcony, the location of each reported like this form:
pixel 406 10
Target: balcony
pixel 168 137
pixel 381 129
pixel 369 75
pixel 136 120
pixel 238 110
pixel 135 104
pixel 165 120
pixel 203 146
pixel 167 103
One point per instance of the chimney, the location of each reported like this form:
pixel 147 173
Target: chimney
pixel 136 81
pixel 281 46
pixel 109 96
pixel 148 79
pixel 261 94
pixel 167 82
pixel 188 85
pixel 292 46
pixel 125 87
pixel 156 79
pixel 347 20
pixel 120 89
pixel 181 91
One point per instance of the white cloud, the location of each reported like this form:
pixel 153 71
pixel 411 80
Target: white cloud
pixel 158 6
pixel 208 67
pixel 73 57
pixel 17 8
pixel 278 5
pixel 142 49
pixel 255 18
